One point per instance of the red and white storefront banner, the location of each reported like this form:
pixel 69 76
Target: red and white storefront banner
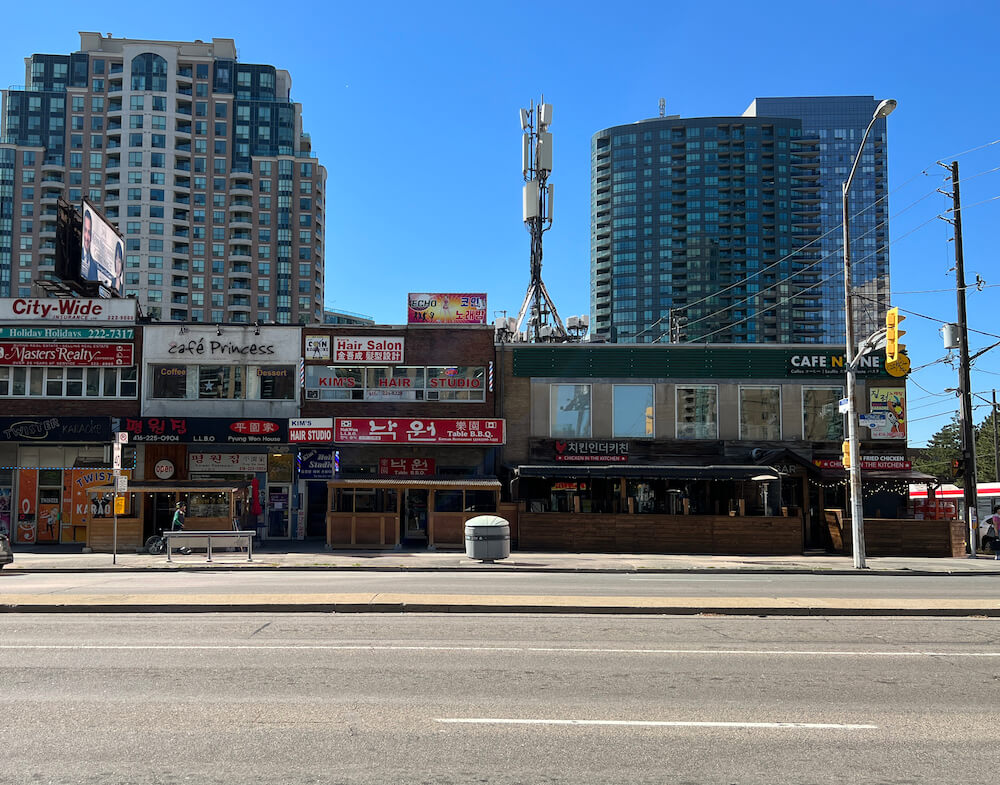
pixel 986 489
pixel 367 349
pixel 314 431
pixel 93 355
pixel 401 430
pixel 406 467
pixel 227 462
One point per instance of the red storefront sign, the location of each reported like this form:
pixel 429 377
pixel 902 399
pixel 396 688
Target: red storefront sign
pixel 92 355
pixel 408 467
pixel 402 430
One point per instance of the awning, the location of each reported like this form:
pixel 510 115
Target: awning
pixel 652 471
pixel 472 483
pixel 910 475
pixel 174 487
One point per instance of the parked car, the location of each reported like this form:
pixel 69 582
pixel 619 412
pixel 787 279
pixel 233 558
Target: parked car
pixel 6 553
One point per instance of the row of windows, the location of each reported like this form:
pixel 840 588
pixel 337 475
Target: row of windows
pixel 21 382
pixel 397 383
pixel 697 412
pixel 231 382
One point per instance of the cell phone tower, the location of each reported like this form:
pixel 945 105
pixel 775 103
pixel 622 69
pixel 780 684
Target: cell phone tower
pixel 536 164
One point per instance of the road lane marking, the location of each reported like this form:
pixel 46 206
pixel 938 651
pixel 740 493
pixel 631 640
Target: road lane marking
pixel 485 650
pixel 654 723
pixel 706 580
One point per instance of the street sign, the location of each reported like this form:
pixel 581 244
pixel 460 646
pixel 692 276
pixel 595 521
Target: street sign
pixel 116 456
pixel 875 419
pixel 122 437
pixel 844 404
pixel 121 484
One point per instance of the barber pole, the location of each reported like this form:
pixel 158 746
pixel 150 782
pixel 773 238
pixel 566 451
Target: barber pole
pixel 489 385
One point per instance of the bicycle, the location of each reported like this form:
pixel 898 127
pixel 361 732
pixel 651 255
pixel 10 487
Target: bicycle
pixel 157 545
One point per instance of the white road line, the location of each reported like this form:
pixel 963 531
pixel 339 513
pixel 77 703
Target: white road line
pixel 655 724
pixel 705 580
pixel 489 650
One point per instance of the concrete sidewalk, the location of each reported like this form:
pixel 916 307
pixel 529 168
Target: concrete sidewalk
pixel 309 556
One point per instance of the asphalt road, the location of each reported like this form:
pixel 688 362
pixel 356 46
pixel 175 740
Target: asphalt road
pixel 258 582
pixel 499 699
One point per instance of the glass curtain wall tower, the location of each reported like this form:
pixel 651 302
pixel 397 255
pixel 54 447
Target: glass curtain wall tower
pixel 201 161
pixel 838 123
pixel 718 230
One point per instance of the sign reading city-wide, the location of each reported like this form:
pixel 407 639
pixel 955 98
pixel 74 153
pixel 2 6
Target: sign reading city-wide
pixel 93 355
pixel 438 308
pixel 67 309
pixel 205 430
pixel 367 349
pixel 402 430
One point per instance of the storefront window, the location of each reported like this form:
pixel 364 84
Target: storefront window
pixel 335 384
pixel 633 411
pixel 364 500
pixel 760 413
pixel 448 501
pixel 394 384
pixel 821 417
pixel 569 410
pixel 279 468
pixel 480 501
pixel 698 412
pixel 208 505
pixel 456 383
pixel 169 381
pixel 220 381
pixel 275 382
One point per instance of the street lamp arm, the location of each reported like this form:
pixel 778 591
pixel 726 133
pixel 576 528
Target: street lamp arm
pixel 861 149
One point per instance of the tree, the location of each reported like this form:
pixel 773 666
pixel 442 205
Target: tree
pixel 942 448
pixel 985 457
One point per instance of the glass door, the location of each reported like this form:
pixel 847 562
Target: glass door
pixel 415 516
pixel 277 511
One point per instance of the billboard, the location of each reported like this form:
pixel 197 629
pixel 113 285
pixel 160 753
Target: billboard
pixel 439 308
pixel 102 250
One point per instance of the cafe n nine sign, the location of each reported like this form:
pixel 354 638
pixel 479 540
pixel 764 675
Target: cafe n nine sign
pixel 832 364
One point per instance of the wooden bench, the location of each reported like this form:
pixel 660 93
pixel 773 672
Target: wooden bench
pixel 204 539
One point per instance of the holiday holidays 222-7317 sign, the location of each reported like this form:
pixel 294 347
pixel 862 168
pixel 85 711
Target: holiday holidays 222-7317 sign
pixel 402 430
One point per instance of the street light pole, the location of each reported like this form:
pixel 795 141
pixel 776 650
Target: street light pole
pixel 854 470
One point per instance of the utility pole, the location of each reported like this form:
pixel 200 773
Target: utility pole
pixel 996 444
pixel 971 514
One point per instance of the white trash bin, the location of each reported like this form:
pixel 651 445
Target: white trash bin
pixel 487 537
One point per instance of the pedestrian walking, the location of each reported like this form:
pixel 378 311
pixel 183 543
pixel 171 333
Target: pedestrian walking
pixel 177 524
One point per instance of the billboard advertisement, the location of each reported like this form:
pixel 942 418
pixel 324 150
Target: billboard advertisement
pixel 441 308
pixel 891 402
pixel 102 250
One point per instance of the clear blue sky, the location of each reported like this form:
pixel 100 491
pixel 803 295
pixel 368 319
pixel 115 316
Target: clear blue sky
pixel 413 108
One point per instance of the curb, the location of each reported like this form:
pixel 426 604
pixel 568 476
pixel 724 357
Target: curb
pixel 480 608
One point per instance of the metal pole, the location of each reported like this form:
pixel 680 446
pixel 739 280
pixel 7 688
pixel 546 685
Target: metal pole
pixel 854 471
pixel 114 537
pixel 964 383
pixel 996 445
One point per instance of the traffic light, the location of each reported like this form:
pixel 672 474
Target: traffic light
pixel 846 458
pixel 957 468
pixel 892 335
